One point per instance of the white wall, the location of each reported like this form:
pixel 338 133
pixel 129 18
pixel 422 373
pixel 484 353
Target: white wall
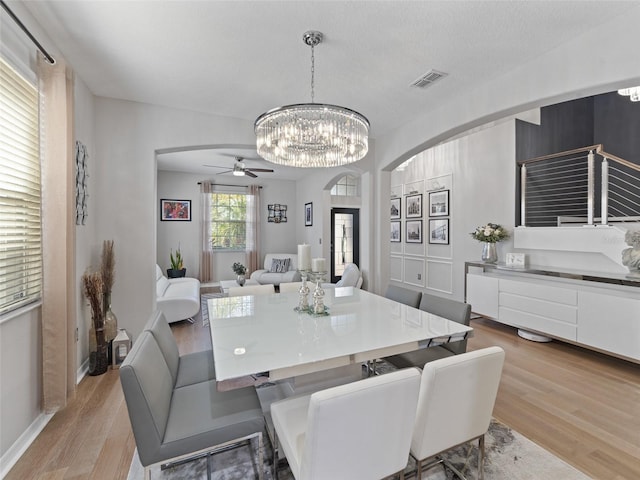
pixel 276 237
pixel 481 170
pixel 599 61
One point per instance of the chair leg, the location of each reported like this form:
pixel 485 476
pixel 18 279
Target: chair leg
pixel 481 458
pixel 209 467
pixel 260 457
pixel 275 456
pixel 419 469
pixel 147 473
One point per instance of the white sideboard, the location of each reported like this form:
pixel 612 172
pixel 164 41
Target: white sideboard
pixel 599 312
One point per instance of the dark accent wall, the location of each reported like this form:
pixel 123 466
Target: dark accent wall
pixel 609 119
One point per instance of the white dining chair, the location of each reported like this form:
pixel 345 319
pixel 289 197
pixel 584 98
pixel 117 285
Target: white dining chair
pixel 358 430
pixel 288 287
pixel 252 290
pixel 455 405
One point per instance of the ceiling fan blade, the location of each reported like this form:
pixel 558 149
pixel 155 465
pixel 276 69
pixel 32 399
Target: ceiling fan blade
pixel 213 166
pixel 258 170
pixel 227 171
pixel 252 175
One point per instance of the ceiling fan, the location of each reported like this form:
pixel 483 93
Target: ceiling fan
pixel 239 169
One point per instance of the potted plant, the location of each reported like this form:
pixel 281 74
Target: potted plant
pixel 177 268
pixel 240 270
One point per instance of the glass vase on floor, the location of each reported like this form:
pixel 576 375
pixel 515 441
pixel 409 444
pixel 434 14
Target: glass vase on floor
pixel 489 253
pixel 110 325
pixel 98 356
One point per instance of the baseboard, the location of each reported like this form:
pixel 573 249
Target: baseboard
pixel 82 371
pixel 15 451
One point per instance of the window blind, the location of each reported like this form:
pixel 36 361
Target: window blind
pixel 20 193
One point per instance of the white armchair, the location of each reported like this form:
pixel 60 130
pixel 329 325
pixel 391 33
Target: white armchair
pixel 177 298
pixel 351 277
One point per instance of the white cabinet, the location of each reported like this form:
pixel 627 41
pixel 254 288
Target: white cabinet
pixel 482 295
pixel 587 313
pixel 543 308
pixel 610 322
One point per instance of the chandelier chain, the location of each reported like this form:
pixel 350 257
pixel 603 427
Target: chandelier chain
pixel 313 73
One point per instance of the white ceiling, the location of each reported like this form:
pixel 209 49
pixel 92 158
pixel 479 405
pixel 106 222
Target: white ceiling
pixel 241 58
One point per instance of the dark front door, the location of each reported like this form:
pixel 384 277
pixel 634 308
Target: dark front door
pixel 345 240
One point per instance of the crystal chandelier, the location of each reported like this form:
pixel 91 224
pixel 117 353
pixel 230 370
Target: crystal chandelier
pixel 633 93
pixel 312 134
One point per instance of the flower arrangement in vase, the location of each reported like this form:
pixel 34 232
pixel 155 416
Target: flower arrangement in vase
pixel 490 234
pixel 240 270
pixel 98 356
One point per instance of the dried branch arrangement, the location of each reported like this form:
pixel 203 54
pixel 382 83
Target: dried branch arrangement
pixel 107 269
pixel 92 283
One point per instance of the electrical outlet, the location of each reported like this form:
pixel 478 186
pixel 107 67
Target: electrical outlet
pixel 419 276
pixel 77 336
pixel 320 241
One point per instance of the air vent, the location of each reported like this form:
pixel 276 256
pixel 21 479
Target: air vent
pixel 428 79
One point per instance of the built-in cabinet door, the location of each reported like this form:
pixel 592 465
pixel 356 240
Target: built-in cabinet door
pixel 482 295
pixel 609 322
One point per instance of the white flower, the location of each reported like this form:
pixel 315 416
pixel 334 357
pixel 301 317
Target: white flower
pixel 488 231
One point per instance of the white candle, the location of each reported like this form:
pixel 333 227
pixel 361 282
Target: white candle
pixel 318 265
pixel 304 257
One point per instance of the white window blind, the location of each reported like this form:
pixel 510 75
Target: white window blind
pixel 20 194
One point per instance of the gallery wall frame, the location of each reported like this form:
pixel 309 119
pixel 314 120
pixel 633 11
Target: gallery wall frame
pixel 396 231
pixel 414 231
pixel 413 207
pixel 172 210
pixel 439 231
pixel 277 213
pixel 396 209
pixel 308 214
pixel 439 203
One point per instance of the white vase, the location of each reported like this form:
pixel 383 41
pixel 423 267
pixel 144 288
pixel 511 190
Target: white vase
pixel 240 280
pixel 489 253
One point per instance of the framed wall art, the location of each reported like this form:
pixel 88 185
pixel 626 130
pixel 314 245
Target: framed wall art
pixel 439 203
pixel 395 231
pixel 395 209
pixel 308 214
pixel 413 206
pixel 175 210
pixel 414 231
pixel 277 213
pixel 439 231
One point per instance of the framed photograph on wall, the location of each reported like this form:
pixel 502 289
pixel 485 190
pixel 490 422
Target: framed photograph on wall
pixel 395 208
pixel 414 231
pixel 395 231
pixel 439 231
pixel 439 203
pixel 308 214
pixel 413 206
pixel 175 210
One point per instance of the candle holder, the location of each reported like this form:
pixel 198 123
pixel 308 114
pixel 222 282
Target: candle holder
pixel 303 302
pixel 318 294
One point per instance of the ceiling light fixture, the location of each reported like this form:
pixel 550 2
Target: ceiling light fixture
pixel 238 169
pixel 312 134
pixel 633 93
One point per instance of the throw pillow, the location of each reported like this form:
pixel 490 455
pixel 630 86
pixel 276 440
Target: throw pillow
pixel 280 265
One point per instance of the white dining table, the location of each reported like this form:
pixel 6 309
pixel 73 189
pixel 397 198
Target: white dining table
pixel 255 334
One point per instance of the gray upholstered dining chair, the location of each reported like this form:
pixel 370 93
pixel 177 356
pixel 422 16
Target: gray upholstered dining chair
pixel 185 369
pixel 455 405
pixel 340 432
pixel 444 307
pixel 172 424
pixel 403 295
pixel 287 287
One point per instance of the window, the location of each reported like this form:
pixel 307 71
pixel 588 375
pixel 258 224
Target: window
pixel 347 186
pixel 228 221
pixel 20 230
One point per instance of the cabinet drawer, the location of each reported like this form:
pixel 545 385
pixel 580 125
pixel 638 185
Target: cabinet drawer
pixel 555 311
pixel 550 293
pixel 536 322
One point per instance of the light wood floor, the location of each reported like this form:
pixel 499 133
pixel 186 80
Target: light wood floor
pixel 582 406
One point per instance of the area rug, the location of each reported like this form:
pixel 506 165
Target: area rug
pixel 510 456
pixel 204 311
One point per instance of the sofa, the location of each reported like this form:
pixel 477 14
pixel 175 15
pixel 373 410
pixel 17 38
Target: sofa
pixel 351 277
pixel 278 271
pixel 177 298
